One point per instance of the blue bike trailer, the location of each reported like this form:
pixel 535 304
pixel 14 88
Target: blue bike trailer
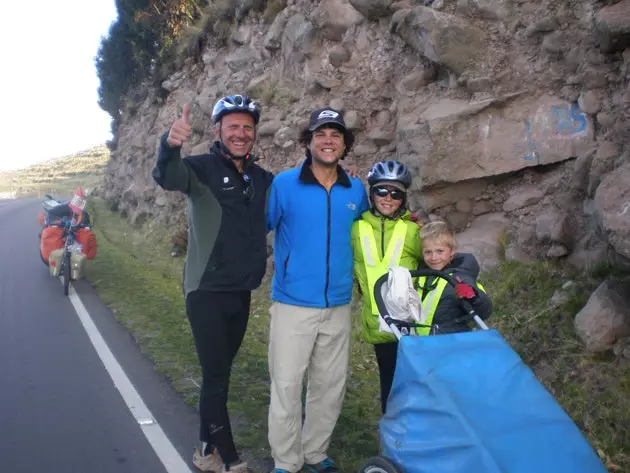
pixel 467 403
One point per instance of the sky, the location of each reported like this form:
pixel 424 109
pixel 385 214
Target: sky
pixel 48 81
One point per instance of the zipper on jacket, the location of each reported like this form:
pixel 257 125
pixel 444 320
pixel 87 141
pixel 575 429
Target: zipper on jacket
pixel 327 248
pixel 248 204
pixel 382 238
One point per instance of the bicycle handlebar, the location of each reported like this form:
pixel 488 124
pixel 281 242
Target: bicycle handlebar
pixel 382 309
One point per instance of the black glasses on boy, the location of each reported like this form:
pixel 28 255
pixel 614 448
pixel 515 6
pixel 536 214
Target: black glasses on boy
pixel 396 194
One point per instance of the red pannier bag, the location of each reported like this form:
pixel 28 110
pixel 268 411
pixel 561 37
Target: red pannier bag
pixel 52 239
pixel 87 239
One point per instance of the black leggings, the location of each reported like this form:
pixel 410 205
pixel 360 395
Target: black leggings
pixel 386 354
pixel 218 321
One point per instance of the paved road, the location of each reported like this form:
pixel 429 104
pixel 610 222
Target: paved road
pixel 60 411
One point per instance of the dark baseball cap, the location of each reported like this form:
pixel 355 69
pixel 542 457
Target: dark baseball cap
pixel 326 116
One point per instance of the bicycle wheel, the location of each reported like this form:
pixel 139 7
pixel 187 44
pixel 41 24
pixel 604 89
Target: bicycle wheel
pixel 66 274
pixel 380 465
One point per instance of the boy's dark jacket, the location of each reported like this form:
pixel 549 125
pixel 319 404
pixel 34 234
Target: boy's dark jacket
pixel 466 267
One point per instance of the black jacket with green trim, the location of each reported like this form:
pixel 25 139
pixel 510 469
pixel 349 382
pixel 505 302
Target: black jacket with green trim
pixel 227 235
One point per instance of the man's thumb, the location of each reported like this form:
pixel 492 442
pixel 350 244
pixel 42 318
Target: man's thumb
pixel 186 113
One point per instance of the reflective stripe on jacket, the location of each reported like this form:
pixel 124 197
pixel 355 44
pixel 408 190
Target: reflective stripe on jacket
pixel 375 268
pixel 431 295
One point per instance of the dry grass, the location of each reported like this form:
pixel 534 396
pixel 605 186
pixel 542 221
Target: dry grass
pixel 216 22
pixel 274 93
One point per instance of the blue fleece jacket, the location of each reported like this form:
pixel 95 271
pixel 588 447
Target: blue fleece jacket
pixel 313 249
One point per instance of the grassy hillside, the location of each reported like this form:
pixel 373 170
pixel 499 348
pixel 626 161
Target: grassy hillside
pixel 58 176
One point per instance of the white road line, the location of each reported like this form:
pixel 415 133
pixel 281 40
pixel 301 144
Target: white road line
pixel 163 447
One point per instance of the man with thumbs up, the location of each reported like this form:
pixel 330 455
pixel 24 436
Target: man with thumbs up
pixel 226 257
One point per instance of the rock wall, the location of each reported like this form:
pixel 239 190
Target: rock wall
pixel 512 114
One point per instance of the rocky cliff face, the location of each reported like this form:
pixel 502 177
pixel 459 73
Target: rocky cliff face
pixel 513 115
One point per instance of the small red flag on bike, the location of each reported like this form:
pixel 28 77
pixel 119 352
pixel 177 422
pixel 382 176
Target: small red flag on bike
pixel 77 204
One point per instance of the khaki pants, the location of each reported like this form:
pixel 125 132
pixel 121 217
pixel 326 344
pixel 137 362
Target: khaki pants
pixel 301 339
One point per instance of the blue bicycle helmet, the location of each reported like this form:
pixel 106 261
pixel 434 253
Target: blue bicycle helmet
pixel 235 103
pixel 389 170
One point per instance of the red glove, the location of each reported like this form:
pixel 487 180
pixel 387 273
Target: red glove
pixel 463 290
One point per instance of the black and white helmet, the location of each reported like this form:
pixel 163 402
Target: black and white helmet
pixel 389 170
pixel 235 103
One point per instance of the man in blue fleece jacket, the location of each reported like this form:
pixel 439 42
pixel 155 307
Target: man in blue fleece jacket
pixel 311 208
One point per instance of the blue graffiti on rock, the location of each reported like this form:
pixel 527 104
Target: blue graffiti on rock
pixel 567 121
pixel 533 150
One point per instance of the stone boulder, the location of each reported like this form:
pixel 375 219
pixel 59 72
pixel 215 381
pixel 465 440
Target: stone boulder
pixel 489 9
pixel 284 138
pixel 612 27
pixel 443 38
pixel 622 348
pixel 523 198
pixel 591 251
pixel 590 102
pixel 373 9
pixel 606 316
pixel 242 35
pixel 483 239
pixel 297 41
pixel 174 81
pixel 273 37
pixel 334 17
pixel 413 82
pixel 241 59
pixel 612 201
pixel 269 128
pixel 454 140
pixel 439 196
pixel 338 55
pixel 602 163
pixel 556 226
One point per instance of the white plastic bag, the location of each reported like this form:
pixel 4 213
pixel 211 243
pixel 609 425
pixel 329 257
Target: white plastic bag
pixel 401 298
pixel 76 248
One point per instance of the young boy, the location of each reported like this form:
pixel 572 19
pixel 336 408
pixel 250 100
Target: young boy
pixel 440 300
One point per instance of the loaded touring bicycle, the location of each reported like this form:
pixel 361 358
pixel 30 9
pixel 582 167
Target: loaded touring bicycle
pixel 66 240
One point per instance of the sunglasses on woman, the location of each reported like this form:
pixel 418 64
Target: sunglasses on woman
pixel 396 194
